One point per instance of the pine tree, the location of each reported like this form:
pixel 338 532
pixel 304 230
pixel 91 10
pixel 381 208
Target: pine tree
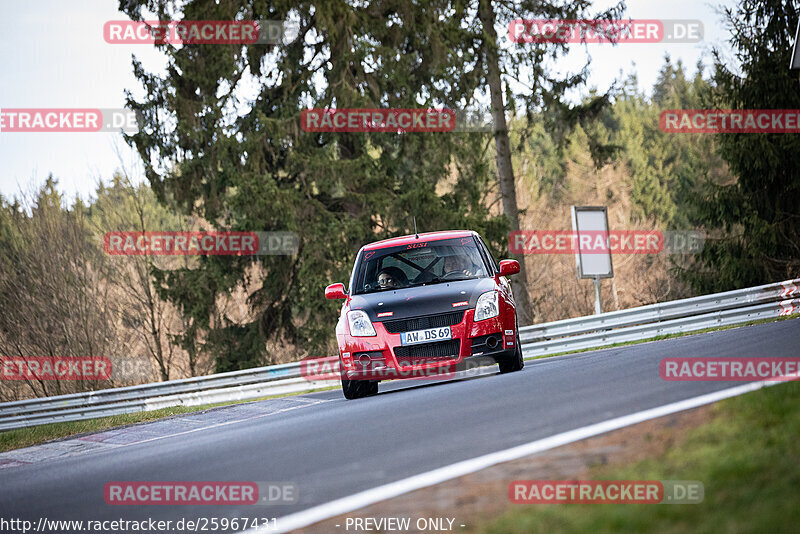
pixel 256 170
pixel 755 221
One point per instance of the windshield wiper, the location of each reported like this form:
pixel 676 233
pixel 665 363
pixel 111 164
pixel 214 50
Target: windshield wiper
pixel 434 280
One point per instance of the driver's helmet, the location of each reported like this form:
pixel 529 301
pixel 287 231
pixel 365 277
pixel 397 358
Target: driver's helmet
pixel 391 278
pixel 457 262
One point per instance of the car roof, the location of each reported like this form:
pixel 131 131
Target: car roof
pixel 409 239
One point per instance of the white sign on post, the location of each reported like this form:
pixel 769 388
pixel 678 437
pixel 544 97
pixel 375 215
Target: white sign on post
pixel 590 225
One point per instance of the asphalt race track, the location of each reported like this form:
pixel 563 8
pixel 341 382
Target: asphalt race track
pixel 331 448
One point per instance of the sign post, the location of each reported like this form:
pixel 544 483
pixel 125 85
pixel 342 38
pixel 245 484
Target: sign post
pixel 590 227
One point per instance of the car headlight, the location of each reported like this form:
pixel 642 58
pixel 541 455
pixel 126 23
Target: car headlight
pixel 360 325
pixel 487 306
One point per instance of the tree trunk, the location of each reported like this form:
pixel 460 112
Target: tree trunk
pixel 505 171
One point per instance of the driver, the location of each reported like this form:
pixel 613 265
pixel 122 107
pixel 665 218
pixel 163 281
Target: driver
pixel 457 264
pixel 391 278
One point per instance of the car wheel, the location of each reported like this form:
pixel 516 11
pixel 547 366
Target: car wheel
pixel 356 389
pixel 514 362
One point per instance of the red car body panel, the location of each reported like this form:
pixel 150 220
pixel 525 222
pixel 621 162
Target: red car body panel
pixel 412 240
pixel 383 346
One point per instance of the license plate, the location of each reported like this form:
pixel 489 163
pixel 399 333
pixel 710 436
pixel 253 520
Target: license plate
pixel 425 336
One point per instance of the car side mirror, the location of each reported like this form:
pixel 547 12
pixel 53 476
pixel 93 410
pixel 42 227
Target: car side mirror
pixel 509 267
pixel 336 291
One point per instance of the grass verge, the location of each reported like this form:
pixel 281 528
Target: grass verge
pixel 747 458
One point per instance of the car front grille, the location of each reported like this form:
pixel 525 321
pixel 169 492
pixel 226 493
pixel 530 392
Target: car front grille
pixel 420 323
pixel 427 352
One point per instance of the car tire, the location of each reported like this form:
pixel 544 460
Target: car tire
pixel 514 362
pixel 356 389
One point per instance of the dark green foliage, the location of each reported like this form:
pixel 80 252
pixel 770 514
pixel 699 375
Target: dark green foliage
pixel 664 169
pixel 757 218
pixel 259 171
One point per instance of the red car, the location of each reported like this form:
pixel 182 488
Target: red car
pixel 424 305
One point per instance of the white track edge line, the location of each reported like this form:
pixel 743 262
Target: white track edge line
pixel 441 474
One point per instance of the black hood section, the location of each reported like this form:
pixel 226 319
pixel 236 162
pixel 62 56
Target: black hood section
pixel 422 300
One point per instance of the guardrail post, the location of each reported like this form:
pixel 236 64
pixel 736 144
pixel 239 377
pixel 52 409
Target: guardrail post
pixel 598 307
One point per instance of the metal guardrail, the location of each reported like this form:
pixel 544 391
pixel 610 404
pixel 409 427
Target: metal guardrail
pixel 230 394
pixel 606 336
pixel 663 311
pixel 147 391
pixel 634 324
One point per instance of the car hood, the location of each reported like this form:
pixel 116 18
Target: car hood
pixel 422 300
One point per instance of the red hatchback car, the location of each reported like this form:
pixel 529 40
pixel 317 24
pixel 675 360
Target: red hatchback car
pixel 425 305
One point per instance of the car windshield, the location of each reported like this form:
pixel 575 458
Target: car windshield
pixel 425 262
